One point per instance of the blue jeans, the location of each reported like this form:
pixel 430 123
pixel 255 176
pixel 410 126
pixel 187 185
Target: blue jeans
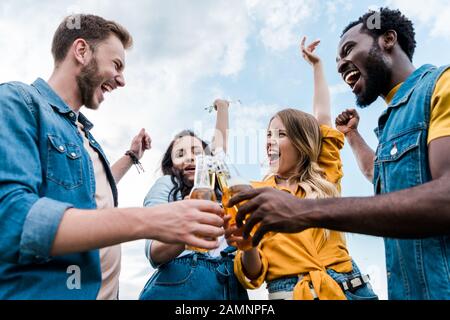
pixel 195 277
pixel 363 292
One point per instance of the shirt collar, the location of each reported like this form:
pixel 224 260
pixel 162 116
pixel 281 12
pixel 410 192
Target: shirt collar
pixel 85 122
pixel 407 88
pixel 392 93
pixel 57 103
pixel 51 96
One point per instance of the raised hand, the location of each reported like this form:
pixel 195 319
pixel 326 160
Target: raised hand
pixel 220 103
pixel 308 51
pixel 347 121
pixel 141 143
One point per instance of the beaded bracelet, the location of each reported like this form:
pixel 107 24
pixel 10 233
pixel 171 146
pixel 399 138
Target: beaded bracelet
pixel 135 160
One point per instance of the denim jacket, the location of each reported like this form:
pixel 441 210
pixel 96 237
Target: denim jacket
pixel 417 269
pixel 44 171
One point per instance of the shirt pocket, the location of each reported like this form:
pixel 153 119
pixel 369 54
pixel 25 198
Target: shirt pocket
pixel 64 163
pixel 399 161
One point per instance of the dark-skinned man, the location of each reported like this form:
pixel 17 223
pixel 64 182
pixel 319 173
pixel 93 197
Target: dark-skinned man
pixel 410 169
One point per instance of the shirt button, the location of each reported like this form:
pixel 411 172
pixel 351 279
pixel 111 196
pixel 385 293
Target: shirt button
pixel 61 148
pixel 73 154
pixel 394 151
pixel 71 114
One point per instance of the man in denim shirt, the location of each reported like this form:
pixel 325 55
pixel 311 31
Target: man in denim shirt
pixel 57 190
pixel 411 171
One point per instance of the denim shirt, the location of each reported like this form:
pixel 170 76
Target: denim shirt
pixel 44 171
pixel 418 268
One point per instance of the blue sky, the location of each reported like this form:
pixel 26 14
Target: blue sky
pixel 187 53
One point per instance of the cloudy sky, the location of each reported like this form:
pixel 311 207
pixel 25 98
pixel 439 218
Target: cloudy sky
pixel 189 52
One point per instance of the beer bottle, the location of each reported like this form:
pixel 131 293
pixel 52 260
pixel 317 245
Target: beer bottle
pixel 203 188
pixel 231 183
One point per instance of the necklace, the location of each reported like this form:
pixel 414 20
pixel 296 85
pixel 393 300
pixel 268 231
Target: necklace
pixel 281 178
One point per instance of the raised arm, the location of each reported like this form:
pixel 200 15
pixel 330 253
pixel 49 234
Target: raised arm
pixel 139 145
pixel 321 102
pixel 220 139
pixel 347 123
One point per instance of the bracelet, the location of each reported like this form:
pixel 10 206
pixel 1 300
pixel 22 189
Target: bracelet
pixel 135 160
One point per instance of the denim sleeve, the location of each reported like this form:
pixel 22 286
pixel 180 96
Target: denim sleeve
pixel 148 247
pixel 28 223
pixel 158 194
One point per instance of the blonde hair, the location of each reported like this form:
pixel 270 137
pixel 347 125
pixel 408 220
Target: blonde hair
pixel 304 133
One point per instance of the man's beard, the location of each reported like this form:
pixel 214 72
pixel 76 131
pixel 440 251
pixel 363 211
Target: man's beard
pixel 88 81
pixel 377 79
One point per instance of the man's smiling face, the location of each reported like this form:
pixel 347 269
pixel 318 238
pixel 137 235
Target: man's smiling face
pixel 103 74
pixel 362 65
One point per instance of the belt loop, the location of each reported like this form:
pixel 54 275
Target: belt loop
pixel 227 251
pixel 194 260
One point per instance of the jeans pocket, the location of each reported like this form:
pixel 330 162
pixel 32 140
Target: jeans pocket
pixel 64 163
pixel 169 282
pixel 173 274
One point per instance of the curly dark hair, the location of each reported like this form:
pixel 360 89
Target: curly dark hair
pixel 181 184
pixel 389 20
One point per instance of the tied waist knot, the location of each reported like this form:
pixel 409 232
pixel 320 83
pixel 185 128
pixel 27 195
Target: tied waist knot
pixel 323 285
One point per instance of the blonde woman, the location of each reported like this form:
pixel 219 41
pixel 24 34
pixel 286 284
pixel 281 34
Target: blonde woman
pixel 303 152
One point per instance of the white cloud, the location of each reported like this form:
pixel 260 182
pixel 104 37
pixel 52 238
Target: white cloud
pixel 433 13
pixel 171 53
pixel 281 20
pixel 339 88
pixel 334 7
pixel 25 40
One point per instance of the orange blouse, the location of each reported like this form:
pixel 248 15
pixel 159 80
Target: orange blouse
pixel 311 252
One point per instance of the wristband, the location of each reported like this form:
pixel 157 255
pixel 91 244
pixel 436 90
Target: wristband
pixel 135 160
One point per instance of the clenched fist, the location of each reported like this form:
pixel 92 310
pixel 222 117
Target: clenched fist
pixel 347 121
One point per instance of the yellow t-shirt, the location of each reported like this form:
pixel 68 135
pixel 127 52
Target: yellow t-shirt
pixel 440 107
pixel 308 253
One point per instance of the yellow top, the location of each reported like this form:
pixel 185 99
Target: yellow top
pixel 308 253
pixel 440 107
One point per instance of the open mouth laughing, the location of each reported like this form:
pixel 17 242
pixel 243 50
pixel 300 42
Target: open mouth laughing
pixel 352 76
pixel 274 155
pixel 107 87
